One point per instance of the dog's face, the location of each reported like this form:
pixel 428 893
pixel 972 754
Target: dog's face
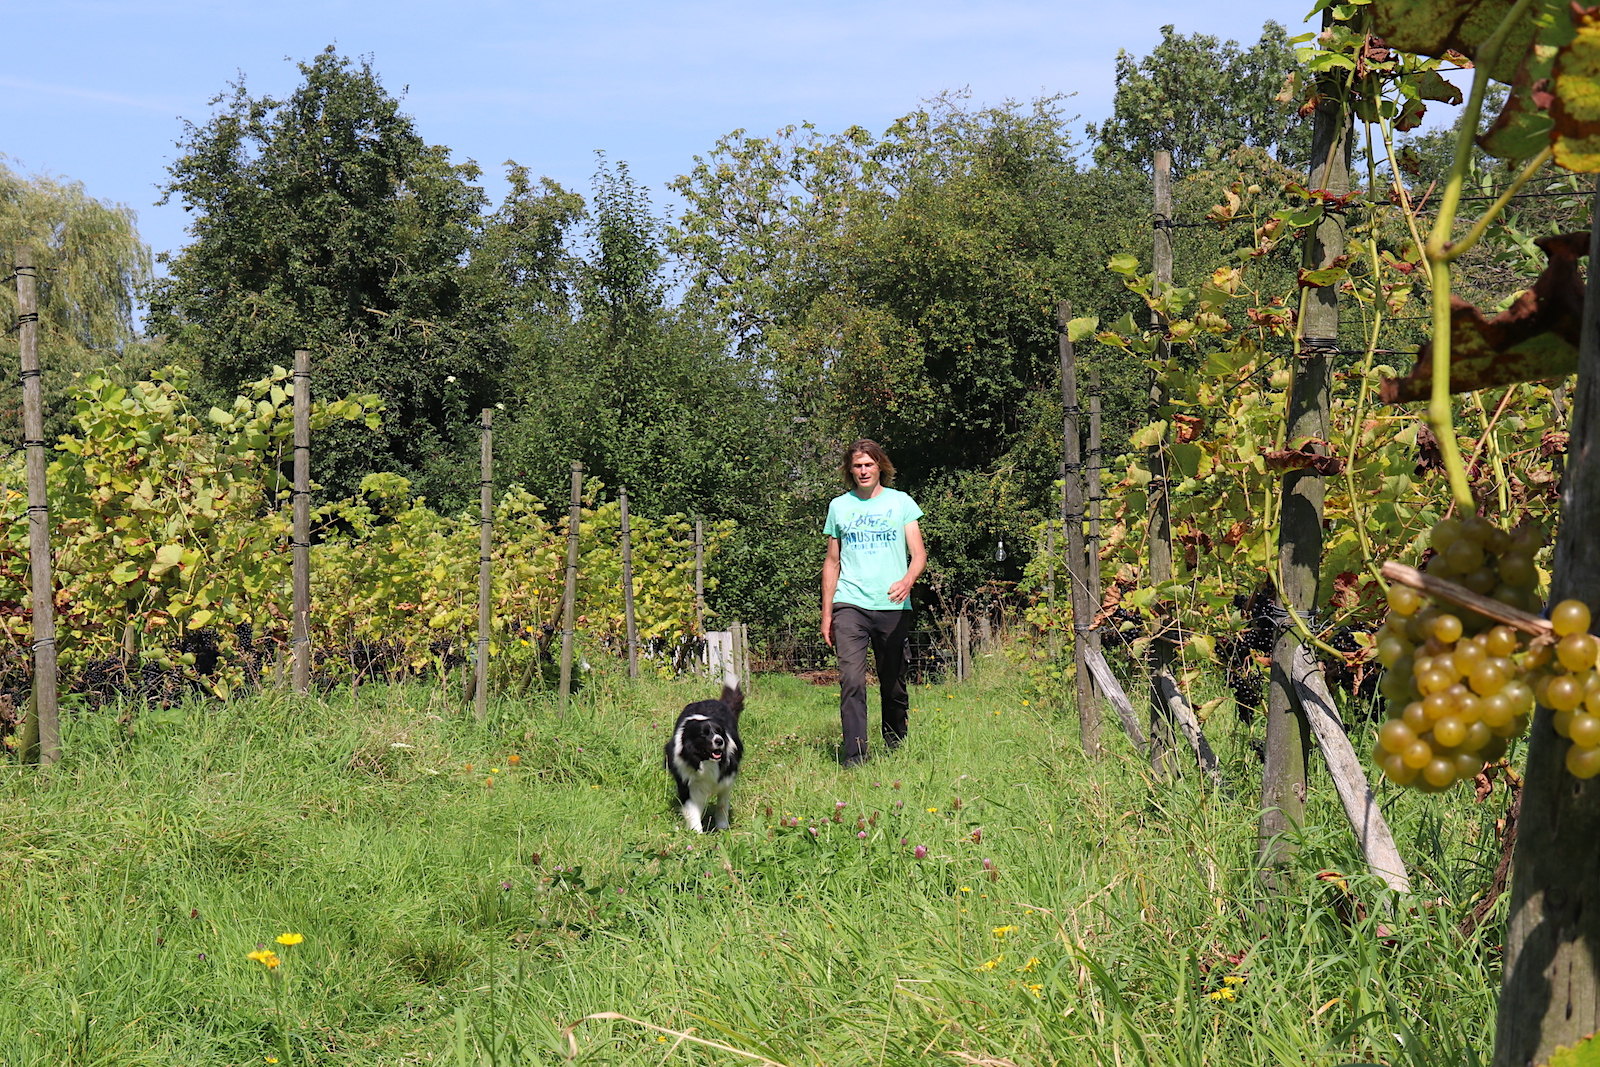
pixel 702 739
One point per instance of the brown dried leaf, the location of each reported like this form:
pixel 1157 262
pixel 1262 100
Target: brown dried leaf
pixel 1534 339
pixel 1295 459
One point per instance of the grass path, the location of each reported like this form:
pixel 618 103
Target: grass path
pixel 465 892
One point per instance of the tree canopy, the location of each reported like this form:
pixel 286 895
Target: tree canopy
pixel 324 221
pixel 91 268
pixel 1199 97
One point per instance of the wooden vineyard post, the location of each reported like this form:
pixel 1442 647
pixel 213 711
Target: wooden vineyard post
pixel 1550 991
pixel 1299 562
pixel 300 539
pixel 1049 563
pixel 1163 649
pixel 569 595
pixel 41 740
pixel 1078 559
pixel 746 671
pixel 699 578
pixel 626 535
pixel 480 680
pixel 961 648
pixel 1092 483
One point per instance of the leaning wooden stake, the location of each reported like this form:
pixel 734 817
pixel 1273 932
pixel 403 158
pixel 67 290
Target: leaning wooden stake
pixel 1118 699
pixel 1179 711
pixel 480 680
pixel 627 585
pixel 1349 780
pixel 41 740
pixel 569 596
pixel 300 540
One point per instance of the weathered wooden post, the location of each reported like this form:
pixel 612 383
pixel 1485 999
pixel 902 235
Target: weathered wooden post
pixel 300 540
pixel 1078 561
pixel 569 596
pixel 626 535
pixel 41 740
pixel 1550 992
pixel 1092 482
pixel 1163 649
pixel 699 578
pixel 1299 563
pixel 480 694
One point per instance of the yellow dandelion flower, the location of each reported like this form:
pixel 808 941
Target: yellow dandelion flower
pixel 963 889
pixel 989 965
pixel 264 956
pixel 1002 931
pixel 290 939
pixel 1033 961
pixel 494 770
pixel 1226 993
pixel 933 811
pixel 1035 988
pixel 513 759
pixel 1233 979
pixel 1024 703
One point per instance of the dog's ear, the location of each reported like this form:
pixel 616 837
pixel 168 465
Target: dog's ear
pixel 732 695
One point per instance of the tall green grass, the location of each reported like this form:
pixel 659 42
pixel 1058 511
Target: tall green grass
pixel 460 907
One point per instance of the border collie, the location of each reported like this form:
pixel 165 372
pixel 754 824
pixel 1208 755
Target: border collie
pixel 703 756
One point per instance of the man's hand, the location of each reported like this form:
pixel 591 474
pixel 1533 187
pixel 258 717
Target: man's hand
pixel 827 627
pixel 901 589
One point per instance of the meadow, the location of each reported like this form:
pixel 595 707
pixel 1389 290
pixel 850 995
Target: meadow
pixel 374 877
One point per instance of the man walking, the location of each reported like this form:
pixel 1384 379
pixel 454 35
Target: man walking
pixel 866 593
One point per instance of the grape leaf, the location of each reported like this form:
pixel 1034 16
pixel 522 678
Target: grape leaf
pixel 1303 459
pixel 1525 61
pixel 1575 109
pixel 1534 339
pixel 1586 1053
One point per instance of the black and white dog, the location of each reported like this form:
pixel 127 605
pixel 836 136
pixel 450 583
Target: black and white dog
pixel 703 756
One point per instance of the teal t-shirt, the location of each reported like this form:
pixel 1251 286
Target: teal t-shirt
pixel 872 547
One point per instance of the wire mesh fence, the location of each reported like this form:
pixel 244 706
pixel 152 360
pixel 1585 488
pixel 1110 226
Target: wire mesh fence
pixel 930 654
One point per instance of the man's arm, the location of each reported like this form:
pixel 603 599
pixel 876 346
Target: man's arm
pixel 919 560
pixel 830 583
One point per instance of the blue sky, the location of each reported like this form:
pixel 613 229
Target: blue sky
pixel 97 91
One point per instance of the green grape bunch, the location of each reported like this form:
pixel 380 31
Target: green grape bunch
pixel 1458 683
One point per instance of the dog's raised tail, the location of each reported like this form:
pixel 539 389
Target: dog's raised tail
pixel 732 693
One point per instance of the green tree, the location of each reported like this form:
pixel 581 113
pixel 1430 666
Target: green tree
pixel 903 287
pixel 1199 97
pixel 91 266
pixel 324 221
pixel 646 393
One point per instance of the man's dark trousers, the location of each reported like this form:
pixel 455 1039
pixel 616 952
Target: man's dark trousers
pixel 854 631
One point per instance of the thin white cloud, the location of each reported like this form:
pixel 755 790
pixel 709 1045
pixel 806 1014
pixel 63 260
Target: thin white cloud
pixel 160 105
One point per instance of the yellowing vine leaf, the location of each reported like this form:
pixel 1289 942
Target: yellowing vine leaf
pixel 1586 1053
pixel 1575 109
